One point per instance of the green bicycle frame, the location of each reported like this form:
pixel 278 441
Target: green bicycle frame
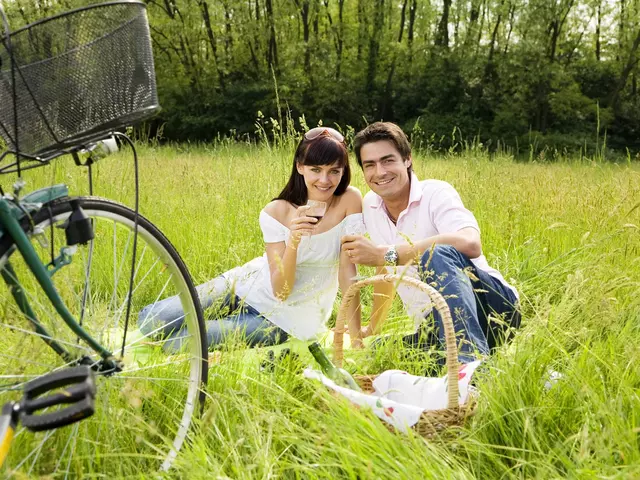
pixel 11 226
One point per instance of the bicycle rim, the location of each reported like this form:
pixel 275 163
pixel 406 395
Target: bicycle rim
pixel 143 413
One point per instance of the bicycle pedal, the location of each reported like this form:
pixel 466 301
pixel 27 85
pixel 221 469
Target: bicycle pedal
pixel 72 386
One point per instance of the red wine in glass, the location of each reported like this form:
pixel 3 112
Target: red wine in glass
pixel 316 209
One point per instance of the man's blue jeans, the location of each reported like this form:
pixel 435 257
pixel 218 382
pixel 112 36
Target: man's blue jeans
pixel 164 320
pixel 483 309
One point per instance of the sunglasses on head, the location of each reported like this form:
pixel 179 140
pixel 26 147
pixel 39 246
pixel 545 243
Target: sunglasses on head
pixel 316 132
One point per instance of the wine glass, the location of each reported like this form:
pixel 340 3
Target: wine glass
pixel 355 228
pixel 316 209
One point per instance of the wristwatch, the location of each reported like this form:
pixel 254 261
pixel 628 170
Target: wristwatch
pixel 391 257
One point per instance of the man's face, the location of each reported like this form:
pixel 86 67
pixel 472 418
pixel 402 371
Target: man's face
pixel 384 169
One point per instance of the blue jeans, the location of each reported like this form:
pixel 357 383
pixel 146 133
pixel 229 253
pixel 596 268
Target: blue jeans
pixel 471 299
pixel 164 320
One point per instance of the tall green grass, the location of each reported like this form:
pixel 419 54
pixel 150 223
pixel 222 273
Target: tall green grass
pixel 566 235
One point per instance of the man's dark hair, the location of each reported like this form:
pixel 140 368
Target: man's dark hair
pixel 381 131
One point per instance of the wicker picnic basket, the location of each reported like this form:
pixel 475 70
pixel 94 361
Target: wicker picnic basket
pixel 432 422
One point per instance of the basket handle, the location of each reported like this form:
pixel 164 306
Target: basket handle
pixel 439 304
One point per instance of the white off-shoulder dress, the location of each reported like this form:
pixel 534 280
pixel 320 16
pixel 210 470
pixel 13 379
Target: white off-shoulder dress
pixel 306 310
pixel 303 314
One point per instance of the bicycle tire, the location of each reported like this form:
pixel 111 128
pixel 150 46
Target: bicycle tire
pixel 134 429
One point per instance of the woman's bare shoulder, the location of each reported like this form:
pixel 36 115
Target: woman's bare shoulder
pixel 351 200
pixel 278 209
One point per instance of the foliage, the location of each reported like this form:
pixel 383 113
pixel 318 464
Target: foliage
pixel 495 69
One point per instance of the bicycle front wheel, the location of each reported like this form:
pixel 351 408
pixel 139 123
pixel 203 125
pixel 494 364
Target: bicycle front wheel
pixel 143 412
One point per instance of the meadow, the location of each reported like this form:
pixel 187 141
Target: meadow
pixel 566 234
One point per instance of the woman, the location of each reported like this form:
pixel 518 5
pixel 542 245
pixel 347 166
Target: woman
pixel 291 289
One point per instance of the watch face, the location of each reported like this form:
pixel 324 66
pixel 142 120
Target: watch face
pixel 391 257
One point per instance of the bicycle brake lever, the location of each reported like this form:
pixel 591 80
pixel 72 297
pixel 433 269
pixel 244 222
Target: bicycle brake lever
pixel 73 386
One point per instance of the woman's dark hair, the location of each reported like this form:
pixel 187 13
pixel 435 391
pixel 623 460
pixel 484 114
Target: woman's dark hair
pixel 322 150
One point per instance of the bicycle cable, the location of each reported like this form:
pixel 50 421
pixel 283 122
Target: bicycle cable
pixel 135 235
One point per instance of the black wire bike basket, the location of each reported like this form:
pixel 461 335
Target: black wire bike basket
pixel 76 75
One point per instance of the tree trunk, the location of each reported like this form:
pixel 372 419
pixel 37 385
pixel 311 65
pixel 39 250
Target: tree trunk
pixel 387 101
pixel 621 31
pixel 316 20
pixel 272 51
pixel 512 14
pixel 569 57
pixel 494 35
pixel 374 49
pixel 555 29
pixel 412 22
pixel 481 27
pixel 254 46
pixel 168 7
pixel 340 39
pixel 632 61
pixel 442 34
pixel 304 16
pixel 402 20
pixel 206 18
pixel 228 39
pixel 474 14
pixel 363 27
pixel 598 25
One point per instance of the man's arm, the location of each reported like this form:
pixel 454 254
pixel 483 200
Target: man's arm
pixel 466 241
pixel 363 251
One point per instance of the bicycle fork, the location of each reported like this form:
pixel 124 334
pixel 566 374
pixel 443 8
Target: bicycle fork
pixel 12 227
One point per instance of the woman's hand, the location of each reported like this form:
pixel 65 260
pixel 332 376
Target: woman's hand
pixel 301 225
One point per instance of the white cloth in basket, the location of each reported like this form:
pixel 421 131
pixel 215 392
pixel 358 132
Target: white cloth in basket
pixel 399 398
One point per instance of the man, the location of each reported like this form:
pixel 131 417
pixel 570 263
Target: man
pixel 423 224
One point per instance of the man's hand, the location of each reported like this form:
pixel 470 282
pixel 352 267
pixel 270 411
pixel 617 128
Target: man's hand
pixel 366 331
pixel 362 251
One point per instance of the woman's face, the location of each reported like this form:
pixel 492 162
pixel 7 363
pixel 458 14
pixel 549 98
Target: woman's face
pixel 321 180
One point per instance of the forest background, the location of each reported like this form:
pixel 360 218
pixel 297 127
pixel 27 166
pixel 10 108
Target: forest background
pixel 534 77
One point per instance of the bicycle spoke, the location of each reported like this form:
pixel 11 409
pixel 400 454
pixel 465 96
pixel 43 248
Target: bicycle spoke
pixel 72 435
pixel 36 334
pixel 142 413
pixel 160 294
pixel 24 360
pixel 155 379
pixel 116 279
pixel 20 385
pixel 150 334
pixel 51 316
pixel 38 449
pixel 85 290
pixel 158 365
pixel 122 307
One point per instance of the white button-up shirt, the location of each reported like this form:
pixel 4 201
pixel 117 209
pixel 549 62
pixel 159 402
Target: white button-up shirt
pixel 434 208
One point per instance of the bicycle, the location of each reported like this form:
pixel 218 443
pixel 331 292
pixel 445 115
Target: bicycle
pixel 73 387
pixel 81 269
